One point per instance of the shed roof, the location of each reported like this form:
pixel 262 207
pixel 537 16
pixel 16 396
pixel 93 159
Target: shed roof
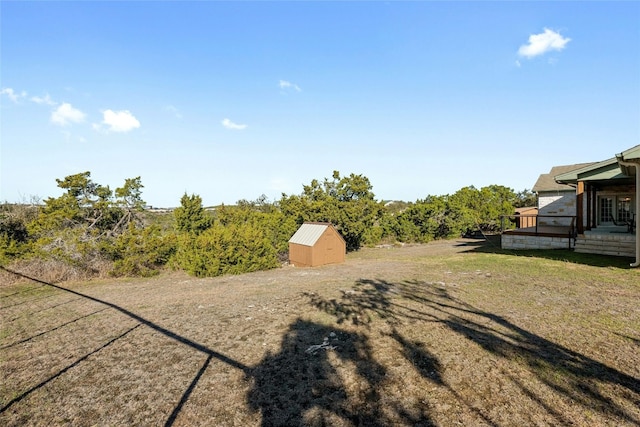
pixel 547 182
pixel 525 209
pixel 309 233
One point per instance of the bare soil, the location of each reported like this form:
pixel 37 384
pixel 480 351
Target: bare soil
pixel 449 333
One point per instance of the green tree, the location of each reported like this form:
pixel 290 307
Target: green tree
pixel 481 209
pixel 129 196
pixel 129 201
pixel 346 202
pixel 85 204
pixel 497 200
pixel 425 220
pixel 526 198
pixel 14 237
pixel 191 217
pixel 84 227
pixel 232 249
pixel 139 251
pixel 273 223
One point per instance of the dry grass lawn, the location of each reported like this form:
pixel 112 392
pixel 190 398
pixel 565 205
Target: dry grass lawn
pixel 449 333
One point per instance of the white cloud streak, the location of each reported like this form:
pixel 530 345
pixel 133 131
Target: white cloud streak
pixel 16 97
pixel 539 44
pixel 173 110
pixel 65 114
pixel 285 85
pixel 45 100
pixel 12 94
pixel 118 121
pixel 233 126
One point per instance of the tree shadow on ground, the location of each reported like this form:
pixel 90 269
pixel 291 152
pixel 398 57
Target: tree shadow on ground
pixel 320 376
pixel 569 373
pixel 305 382
pixel 491 245
pixel 324 376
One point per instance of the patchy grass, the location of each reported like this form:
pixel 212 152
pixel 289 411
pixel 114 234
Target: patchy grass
pixel 447 333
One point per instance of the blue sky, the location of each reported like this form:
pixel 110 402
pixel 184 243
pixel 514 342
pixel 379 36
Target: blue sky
pixel 231 100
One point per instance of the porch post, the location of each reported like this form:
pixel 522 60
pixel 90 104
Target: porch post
pixel 589 212
pixel 637 166
pixel 580 207
pixel 594 207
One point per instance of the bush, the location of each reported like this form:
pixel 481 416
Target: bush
pixel 231 249
pixel 11 250
pixel 52 270
pixel 140 252
pixel 373 236
pixel 13 237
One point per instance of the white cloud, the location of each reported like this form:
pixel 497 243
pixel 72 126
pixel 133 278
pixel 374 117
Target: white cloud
pixel 289 86
pixel 231 125
pixel 65 114
pixel 539 44
pixel 12 94
pixel 118 121
pixel 45 100
pixel 173 110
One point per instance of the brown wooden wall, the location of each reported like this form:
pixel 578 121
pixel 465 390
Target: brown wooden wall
pixel 300 255
pixel 330 248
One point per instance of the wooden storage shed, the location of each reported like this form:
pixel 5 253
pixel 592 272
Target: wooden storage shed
pixel 316 243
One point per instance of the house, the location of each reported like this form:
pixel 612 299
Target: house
pixel 590 207
pixel 552 226
pixel 554 198
pixel 316 244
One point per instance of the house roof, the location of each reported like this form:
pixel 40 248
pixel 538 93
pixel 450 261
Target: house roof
pixel 604 170
pixel 309 233
pixel 632 155
pixel 547 182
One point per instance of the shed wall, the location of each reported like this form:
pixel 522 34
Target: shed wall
pixel 330 248
pixel 300 255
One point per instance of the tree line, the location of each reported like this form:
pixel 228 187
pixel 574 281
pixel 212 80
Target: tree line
pixel 92 231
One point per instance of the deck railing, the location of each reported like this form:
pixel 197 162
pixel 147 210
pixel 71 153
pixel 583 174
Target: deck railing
pixel 540 225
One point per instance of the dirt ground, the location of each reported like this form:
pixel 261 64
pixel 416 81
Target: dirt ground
pixel 439 334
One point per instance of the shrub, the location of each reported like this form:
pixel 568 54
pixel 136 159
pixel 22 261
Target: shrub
pixel 13 237
pixel 232 249
pixel 139 252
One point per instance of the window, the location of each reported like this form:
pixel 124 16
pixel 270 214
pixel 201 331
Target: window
pixel 615 209
pixel 606 210
pixel 624 209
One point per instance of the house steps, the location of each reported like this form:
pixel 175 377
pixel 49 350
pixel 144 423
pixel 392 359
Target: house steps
pixel 616 244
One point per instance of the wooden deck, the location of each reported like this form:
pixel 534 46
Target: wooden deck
pixel 542 230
